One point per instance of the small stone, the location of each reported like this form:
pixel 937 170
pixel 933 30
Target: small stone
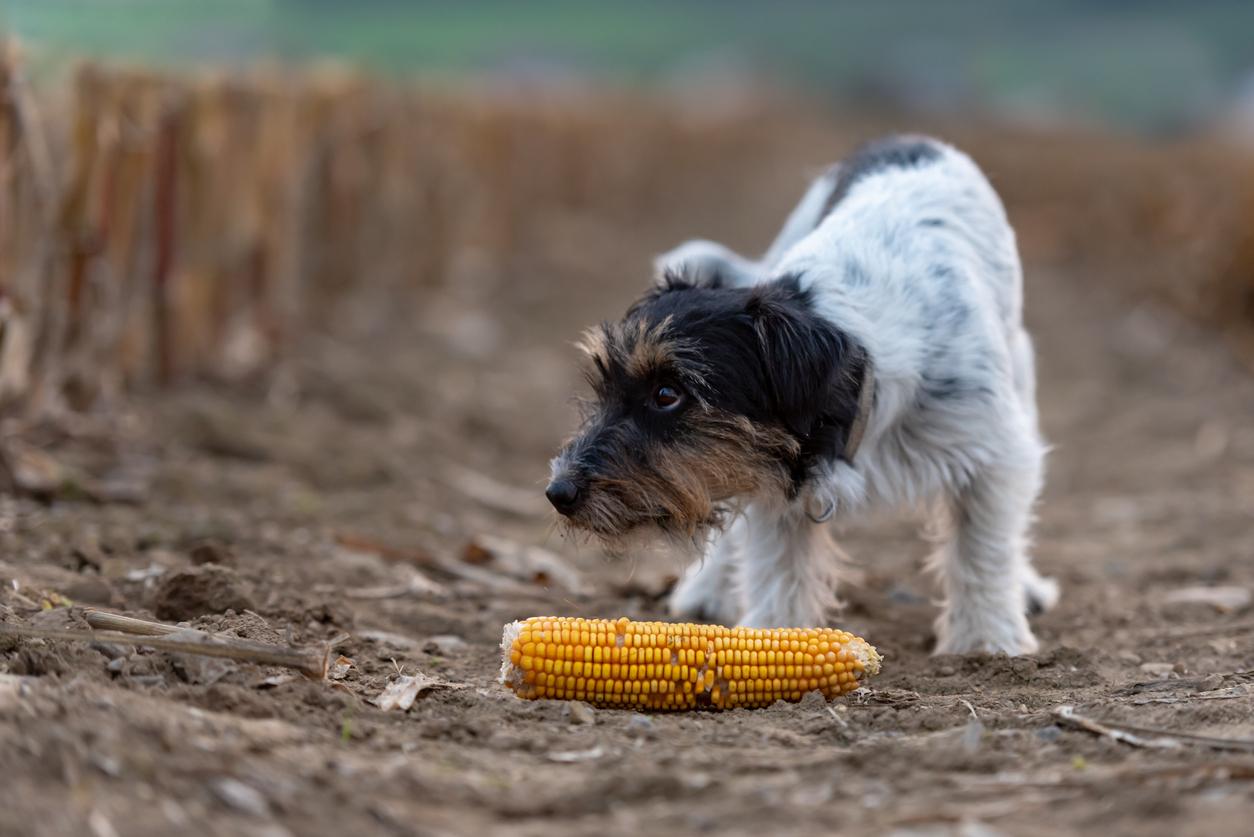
pixel 1161 670
pixel 87 552
pixel 235 794
pixel 1210 682
pixel 92 589
pixel 1050 733
pixel 111 651
pixel 211 551
pixel 642 723
pixel 581 713
pixel 813 701
pixel 106 764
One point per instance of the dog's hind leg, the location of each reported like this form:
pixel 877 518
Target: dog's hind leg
pixel 984 568
pixel 1042 593
pixel 1023 360
pixel 789 569
pixel 707 591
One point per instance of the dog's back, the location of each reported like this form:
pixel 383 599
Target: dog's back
pixel 908 250
pixel 916 201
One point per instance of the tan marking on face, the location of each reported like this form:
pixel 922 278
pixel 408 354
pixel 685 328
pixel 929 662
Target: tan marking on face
pixel 595 344
pixel 732 456
pixel 679 487
pixel 649 348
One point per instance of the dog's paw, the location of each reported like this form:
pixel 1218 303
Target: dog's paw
pixel 1040 592
pixel 966 631
pixel 696 599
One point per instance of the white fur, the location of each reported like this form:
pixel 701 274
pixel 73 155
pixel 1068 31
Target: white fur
pixel 918 264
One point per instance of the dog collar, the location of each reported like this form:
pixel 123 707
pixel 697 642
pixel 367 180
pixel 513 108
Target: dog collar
pixel 866 397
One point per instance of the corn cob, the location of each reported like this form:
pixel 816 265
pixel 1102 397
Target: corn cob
pixel 665 666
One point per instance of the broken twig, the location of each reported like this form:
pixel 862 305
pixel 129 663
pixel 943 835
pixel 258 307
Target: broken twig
pixel 312 662
pixel 101 620
pixel 1148 737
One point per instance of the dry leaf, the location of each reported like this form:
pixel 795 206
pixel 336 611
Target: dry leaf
pixel 476 554
pixel 404 690
pixel 338 669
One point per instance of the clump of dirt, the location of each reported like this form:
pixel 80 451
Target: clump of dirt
pixel 211 551
pixel 212 588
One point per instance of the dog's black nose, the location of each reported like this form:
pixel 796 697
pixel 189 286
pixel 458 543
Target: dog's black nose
pixel 563 494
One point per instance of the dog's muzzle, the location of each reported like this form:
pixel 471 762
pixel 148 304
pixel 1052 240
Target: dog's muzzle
pixel 565 495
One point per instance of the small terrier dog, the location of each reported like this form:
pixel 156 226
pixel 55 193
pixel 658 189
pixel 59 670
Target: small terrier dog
pixel 875 355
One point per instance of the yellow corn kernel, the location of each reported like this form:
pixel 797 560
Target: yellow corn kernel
pixel 664 666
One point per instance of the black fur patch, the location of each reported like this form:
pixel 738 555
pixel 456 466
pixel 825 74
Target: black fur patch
pixel 769 357
pixel 893 152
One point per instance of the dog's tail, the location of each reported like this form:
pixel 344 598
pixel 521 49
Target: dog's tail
pixel 804 217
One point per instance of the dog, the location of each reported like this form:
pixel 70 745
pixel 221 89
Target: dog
pixel 875 355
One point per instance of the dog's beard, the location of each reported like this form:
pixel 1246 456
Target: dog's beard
pixel 684 491
pixel 623 510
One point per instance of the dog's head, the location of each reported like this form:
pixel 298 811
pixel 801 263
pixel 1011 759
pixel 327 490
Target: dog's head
pixel 703 394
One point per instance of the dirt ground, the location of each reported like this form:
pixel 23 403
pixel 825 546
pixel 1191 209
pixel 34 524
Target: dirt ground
pixel 388 487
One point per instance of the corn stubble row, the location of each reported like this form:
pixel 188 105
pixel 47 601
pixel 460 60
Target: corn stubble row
pixel 665 666
pixel 156 226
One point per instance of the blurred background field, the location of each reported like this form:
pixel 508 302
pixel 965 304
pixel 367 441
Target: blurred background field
pixel 1154 65
pixel 287 297
pixel 433 136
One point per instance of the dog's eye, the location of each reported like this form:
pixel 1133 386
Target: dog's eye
pixel 666 398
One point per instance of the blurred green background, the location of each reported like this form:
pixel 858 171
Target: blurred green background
pixel 1151 66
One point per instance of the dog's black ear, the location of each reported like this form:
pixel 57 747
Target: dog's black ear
pixel 806 362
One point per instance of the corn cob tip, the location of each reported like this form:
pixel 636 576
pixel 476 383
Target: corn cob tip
pixel 511 675
pixel 666 666
pixel 868 655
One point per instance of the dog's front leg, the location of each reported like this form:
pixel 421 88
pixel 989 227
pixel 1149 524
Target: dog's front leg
pixel 788 568
pixel 984 568
pixel 708 590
